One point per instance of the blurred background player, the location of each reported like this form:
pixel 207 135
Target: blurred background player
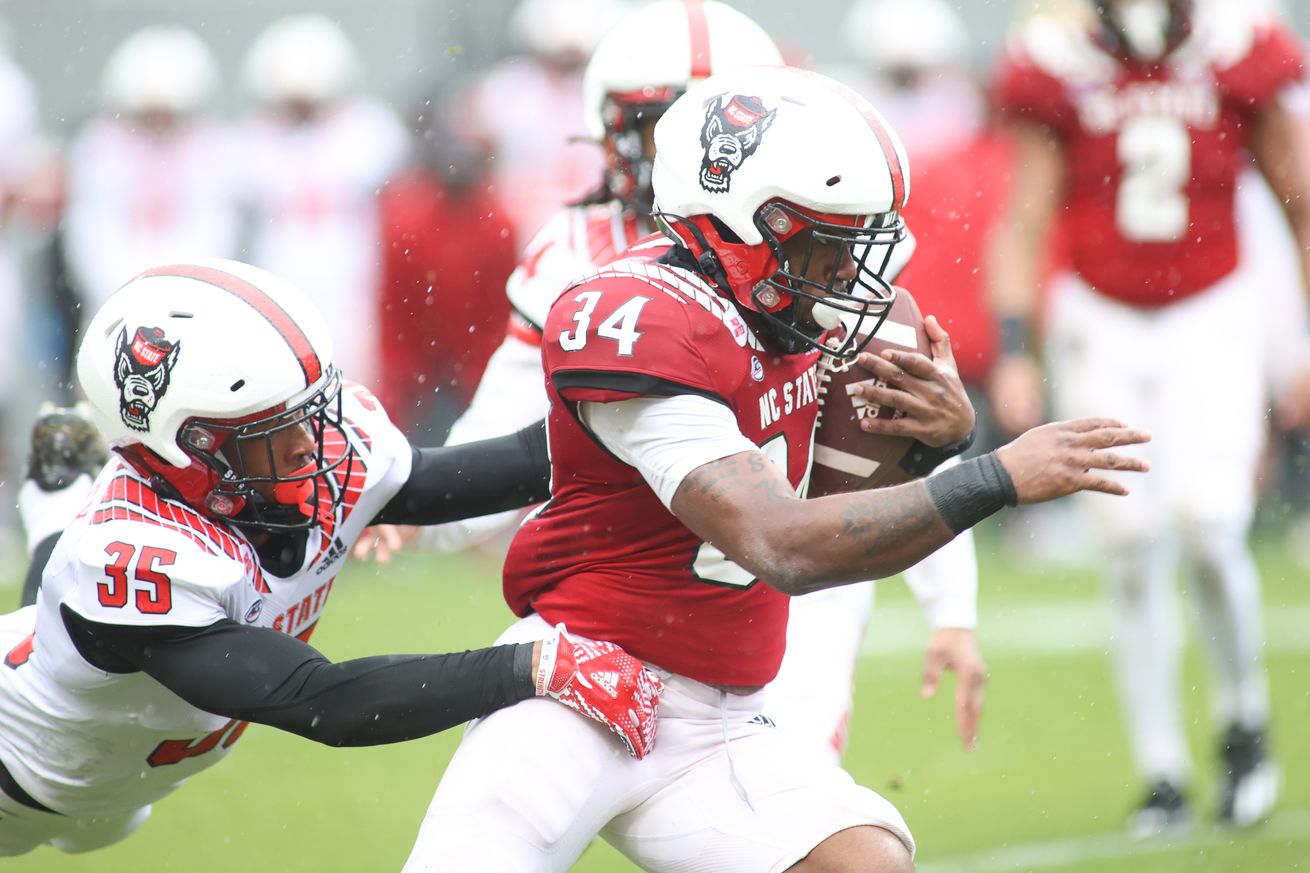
pixel 447 249
pixel 150 175
pixel 312 159
pixel 914 58
pixel 1130 121
pixel 528 108
pixel 20 153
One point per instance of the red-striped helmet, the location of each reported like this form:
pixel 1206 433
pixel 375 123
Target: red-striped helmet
pixel 191 368
pixel 765 172
pixel 647 61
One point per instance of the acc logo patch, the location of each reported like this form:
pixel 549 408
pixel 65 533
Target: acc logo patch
pixel 731 134
pixel 757 369
pixel 254 611
pixel 141 374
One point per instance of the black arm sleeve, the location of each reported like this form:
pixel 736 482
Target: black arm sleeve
pixel 267 677
pixel 456 482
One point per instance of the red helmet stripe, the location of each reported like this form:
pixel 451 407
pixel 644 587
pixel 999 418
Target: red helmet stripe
pixel 880 131
pixel 698 31
pixel 266 306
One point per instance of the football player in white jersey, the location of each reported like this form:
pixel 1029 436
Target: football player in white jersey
pixel 639 68
pixel 177 605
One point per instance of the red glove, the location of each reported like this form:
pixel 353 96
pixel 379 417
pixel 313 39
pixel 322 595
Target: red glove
pixel 605 684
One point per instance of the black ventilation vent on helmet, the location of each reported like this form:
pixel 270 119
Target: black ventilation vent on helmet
pixel 237 385
pixel 725 232
pixel 181 315
pixel 833 181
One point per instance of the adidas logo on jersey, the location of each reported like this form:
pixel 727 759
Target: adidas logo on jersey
pixel 608 681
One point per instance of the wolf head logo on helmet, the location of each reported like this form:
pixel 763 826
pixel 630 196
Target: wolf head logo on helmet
pixel 731 134
pixel 141 374
pixel 217 432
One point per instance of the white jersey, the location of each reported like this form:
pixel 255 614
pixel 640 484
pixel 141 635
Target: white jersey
pixel 512 393
pixel 85 742
pixel 313 190
pixel 136 200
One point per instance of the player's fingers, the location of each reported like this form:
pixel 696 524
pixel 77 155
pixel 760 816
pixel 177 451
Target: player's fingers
pixel 1082 425
pixel 1103 484
pixel 1103 460
pixel 885 395
pixel 1105 437
pixel 391 537
pixel 362 546
pixel 901 427
pixel 914 363
pixel 933 662
pixel 969 693
pixel 881 368
pixel 940 341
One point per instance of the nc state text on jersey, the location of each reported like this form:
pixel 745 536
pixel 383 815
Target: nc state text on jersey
pixel 793 394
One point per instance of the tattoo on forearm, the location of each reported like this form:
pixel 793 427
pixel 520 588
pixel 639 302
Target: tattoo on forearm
pixel 878 521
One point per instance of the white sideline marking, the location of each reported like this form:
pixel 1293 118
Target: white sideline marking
pixel 1052 855
pixel 1066 627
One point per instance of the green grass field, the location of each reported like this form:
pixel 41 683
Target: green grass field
pixel 1046 789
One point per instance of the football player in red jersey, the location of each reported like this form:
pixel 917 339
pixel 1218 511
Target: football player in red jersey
pixel 1131 127
pixel 682 409
pixel 177 606
pixel 636 72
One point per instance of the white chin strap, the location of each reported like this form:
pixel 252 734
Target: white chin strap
pixel 1145 23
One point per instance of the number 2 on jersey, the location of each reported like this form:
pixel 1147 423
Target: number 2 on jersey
pixel 621 326
pixel 1155 154
pixel 155 595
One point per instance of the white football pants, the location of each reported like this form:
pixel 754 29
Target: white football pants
pixel 1192 373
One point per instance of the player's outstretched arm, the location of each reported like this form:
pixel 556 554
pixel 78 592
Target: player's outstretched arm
pixel 745 507
pixel 261 675
pixel 449 483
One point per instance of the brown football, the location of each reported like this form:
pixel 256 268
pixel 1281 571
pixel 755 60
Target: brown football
pixel 847 458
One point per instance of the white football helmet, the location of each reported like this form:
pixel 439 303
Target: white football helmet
pixel 563 31
pixel 159 69
pixel 645 63
pixel 188 363
pixel 303 58
pixel 747 160
pixel 889 35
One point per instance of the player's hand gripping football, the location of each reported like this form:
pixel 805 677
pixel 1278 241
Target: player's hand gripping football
pixel 605 684
pixel 1068 456
pixel 928 390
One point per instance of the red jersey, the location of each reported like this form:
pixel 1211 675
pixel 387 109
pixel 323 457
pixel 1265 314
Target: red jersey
pixel 1152 151
pixel 445 256
pixel 604 555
